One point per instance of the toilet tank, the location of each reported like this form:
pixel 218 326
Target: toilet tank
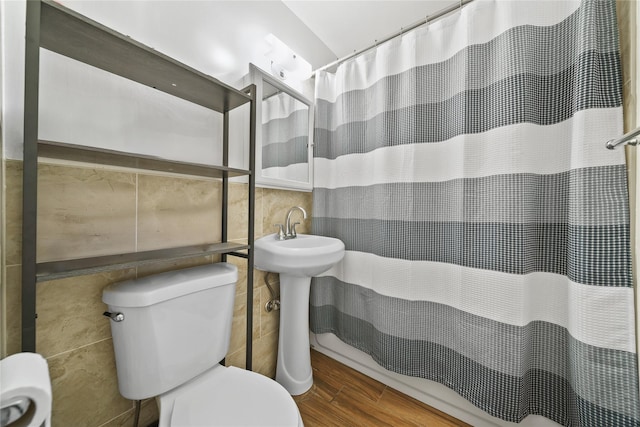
pixel 176 325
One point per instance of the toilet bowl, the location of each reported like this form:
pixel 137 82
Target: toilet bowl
pixel 229 397
pixel 170 331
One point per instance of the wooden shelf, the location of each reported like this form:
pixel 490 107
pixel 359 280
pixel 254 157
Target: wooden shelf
pixel 70 34
pixel 81 153
pixel 53 270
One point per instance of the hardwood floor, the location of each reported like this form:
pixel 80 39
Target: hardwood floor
pixel 341 396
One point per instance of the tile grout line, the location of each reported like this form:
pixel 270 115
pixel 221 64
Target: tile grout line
pixel 77 348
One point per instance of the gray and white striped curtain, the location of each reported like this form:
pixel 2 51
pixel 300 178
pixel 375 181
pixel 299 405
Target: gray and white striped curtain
pixel 285 126
pixel 486 225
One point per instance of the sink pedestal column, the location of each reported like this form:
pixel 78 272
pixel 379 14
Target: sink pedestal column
pixel 293 369
pixel 297 260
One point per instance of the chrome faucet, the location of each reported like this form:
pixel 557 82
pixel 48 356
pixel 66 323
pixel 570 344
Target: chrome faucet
pixel 288 231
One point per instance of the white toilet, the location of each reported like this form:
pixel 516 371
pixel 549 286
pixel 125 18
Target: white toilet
pixel 173 330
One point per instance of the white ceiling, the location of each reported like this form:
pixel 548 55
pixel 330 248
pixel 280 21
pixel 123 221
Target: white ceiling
pixel 221 37
pixel 347 26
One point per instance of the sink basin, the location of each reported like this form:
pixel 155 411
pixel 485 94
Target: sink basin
pixel 297 260
pixel 304 256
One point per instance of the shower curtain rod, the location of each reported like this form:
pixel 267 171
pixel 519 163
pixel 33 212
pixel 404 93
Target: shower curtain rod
pixel 429 18
pixel 628 138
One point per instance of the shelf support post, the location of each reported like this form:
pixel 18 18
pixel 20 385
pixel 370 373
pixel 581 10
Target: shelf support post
pixel 251 90
pixel 30 175
pixel 225 180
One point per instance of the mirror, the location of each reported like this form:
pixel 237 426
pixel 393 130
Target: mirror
pixel 284 147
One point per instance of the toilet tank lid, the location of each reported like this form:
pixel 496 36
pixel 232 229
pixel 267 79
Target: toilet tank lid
pixel 172 284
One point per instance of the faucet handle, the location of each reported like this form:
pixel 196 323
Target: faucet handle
pixel 280 235
pixel 293 229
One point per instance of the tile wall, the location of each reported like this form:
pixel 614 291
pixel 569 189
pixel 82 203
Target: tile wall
pixel 84 211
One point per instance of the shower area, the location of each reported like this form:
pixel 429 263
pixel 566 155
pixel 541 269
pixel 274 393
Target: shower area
pixel 488 269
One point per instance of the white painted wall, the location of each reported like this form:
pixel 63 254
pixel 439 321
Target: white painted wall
pixel 12 36
pixel 83 105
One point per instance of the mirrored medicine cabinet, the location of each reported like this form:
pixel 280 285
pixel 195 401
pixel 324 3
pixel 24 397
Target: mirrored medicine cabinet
pixel 284 134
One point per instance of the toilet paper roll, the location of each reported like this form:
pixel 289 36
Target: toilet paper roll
pixel 26 375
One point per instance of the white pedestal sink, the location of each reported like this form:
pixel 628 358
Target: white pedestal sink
pixel 297 260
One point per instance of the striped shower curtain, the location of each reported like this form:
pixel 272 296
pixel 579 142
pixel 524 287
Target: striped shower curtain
pixel 486 225
pixel 285 129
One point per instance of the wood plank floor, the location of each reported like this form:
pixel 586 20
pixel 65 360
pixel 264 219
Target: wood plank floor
pixel 341 396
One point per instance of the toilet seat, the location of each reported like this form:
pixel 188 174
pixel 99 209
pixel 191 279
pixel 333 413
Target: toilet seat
pixel 228 396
